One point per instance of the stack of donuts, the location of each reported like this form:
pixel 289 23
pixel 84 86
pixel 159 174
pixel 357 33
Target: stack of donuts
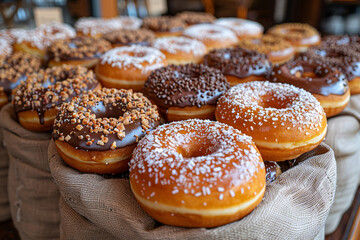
pixel 237 103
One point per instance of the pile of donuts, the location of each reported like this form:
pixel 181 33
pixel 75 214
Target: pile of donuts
pixel 239 106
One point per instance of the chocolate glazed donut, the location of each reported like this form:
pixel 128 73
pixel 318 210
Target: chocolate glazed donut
pixel 326 83
pixel 240 65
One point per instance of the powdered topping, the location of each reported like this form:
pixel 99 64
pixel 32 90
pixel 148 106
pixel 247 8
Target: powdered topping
pixel 267 44
pixel 42 36
pixel 129 22
pixel 11 35
pixel 176 45
pixel 130 37
pixel 51 87
pixel 5 48
pixel 239 62
pixel 95 26
pixel 133 56
pixel 163 24
pixel 266 105
pixel 294 31
pixel 191 18
pixel 186 85
pixel 105 119
pixel 78 48
pixel 223 158
pixel 210 31
pixel 241 27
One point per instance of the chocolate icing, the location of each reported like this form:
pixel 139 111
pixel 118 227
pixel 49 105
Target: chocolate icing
pixel 142 37
pixel 239 62
pixel 328 80
pixel 186 85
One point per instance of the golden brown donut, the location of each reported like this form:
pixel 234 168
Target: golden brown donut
pixel 80 51
pixel 164 26
pixel 197 173
pixel 213 36
pixel 36 100
pixel 300 35
pixel 283 120
pixel 181 50
pixel 243 28
pixel 97 132
pixel 128 67
pixel 278 50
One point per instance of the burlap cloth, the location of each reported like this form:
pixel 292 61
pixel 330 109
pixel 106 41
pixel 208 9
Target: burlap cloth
pixel 4 168
pixel 33 196
pixel 295 205
pixel 344 138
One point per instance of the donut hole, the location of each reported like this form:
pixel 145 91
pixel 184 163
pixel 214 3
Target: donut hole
pixel 102 111
pixel 197 148
pixel 275 102
pixel 309 71
pixel 133 54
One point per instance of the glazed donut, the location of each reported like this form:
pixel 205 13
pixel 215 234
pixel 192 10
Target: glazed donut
pixel 13 70
pixel 239 65
pixel 279 51
pixel 300 35
pixel 36 101
pixel 185 91
pixel 128 67
pixel 97 27
pixel 181 50
pixel 191 18
pixel 342 57
pixel 127 37
pixel 283 120
pixel 273 170
pixel 197 173
pixel 326 83
pixel 213 36
pixel 243 28
pixel 164 26
pixel 5 48
pixel 81 51
pixel 36 41
pixel 97 132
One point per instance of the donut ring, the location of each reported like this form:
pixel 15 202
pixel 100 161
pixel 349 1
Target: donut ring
pixel 181 50
pixel 164 26
pixel 127 37
pixel 326 83
pixel 98 131
pixel 36 100
pixel 278 50
pixel 283 120
pixel 239 65
pixel 128 67
pixel 179 174
pixel 300 35
pixel 185 91
pixel 243 28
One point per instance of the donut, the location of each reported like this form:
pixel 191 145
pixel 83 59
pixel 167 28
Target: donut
pixel 13 70
pixel 128 67
pixel 127 37
pixel 213 36
pixel 81 51
pixel 36 41
pixel 283 120
pixel 197 173
pixel 36 101
pixel 326 83
pixel 97 132
pixel 181 50
pixel 12 34
pixel 192 18
pixel 243 28
pixel 5 48
pixel 273 170
pixel 97 27
pixel 278 50
pixel 164 26
pixel 239 65
pixel 185 91
pixel 342 57
pixel 300 35
pixel 339 40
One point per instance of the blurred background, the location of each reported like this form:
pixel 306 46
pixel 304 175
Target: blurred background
pixel 328 16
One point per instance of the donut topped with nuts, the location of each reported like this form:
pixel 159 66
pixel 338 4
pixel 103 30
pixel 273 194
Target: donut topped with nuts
pixel 49 88
pixel 185 85
pixel 105 119
pixel 126 37
pixel 191 18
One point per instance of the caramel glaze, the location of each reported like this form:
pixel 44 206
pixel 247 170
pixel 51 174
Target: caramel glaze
pixel 239 62
pixel 95 122
pixel 51 87
pixel 186 85
pixel 341 57
pixel 313 76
